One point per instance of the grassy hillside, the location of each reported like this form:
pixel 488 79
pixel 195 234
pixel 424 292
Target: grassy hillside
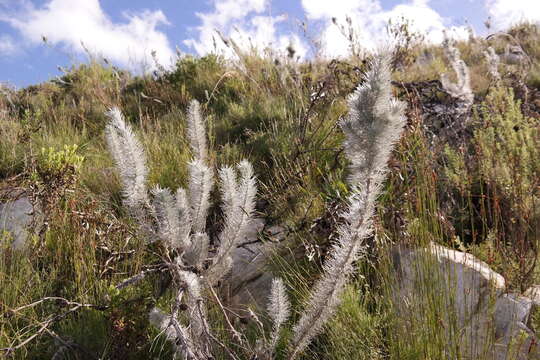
pixel 467 185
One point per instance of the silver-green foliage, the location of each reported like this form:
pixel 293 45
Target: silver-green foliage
pixel 493 61
pixel 179 221
pixel 461 89
pixel 130 159
pixel 375 122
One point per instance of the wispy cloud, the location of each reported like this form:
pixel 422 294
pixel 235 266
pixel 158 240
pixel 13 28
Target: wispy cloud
pixel 79 24
pixel 505 13
pixel 244 22
pixel 7 46
pixel 369 20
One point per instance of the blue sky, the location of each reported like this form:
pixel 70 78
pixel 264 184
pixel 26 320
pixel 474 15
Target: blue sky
pixel 126 31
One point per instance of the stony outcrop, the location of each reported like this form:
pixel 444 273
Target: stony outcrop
pixel 478 315
pixel 17 218
pixel 533 293
pixel 249 281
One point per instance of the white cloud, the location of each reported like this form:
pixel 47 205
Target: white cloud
pixel 505 13
pixel 324 9
pixel 7 46
pixel 72 23
pixel 425 21
pixel 369 21
pixel 243 22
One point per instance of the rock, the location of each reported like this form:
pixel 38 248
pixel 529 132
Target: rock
pixel 520 343
pixel 470 300
pixel 510 311
pixel 249 282
pixel 16 218
pixel 252 235
pixel 476 341
pixel 533 293
pixel 514 339
pixel 276 233
pixel 466 281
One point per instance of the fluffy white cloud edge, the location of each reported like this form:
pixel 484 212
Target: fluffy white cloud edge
pixel 369 21
pixel 80 25
pixel 243 22
pixel 505 13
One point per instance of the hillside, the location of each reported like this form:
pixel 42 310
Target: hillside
pixel 463 175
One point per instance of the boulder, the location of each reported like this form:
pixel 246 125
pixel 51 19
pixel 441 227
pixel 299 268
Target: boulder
pixel 469 299
pixel 249 282
pixel 533 293
pixel 17 216
pixel 510 311
pixel 466 282
pixel 513 339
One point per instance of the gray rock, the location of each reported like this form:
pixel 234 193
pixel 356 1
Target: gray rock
pixel 276 233
pixel 471 298
pixel 533 293
pixel 249 282
pixel 465 282
pixel 519 343
pixel 510 311
pixel 252 235
pixel 513 339
pixel 16 218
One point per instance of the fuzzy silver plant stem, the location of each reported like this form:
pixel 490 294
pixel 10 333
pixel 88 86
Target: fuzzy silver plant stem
pixel 168 222
pixel 239 208
pixel 181 222
pixel 196 131
pixel 196 311
pixel 493 61
pixel 129 157
pixel 183 211
pixel 197 253
pixel 175 217
pixel 375 122
pixel 201 181
pixel 229 188
pixel 461 89
pixel 279 310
